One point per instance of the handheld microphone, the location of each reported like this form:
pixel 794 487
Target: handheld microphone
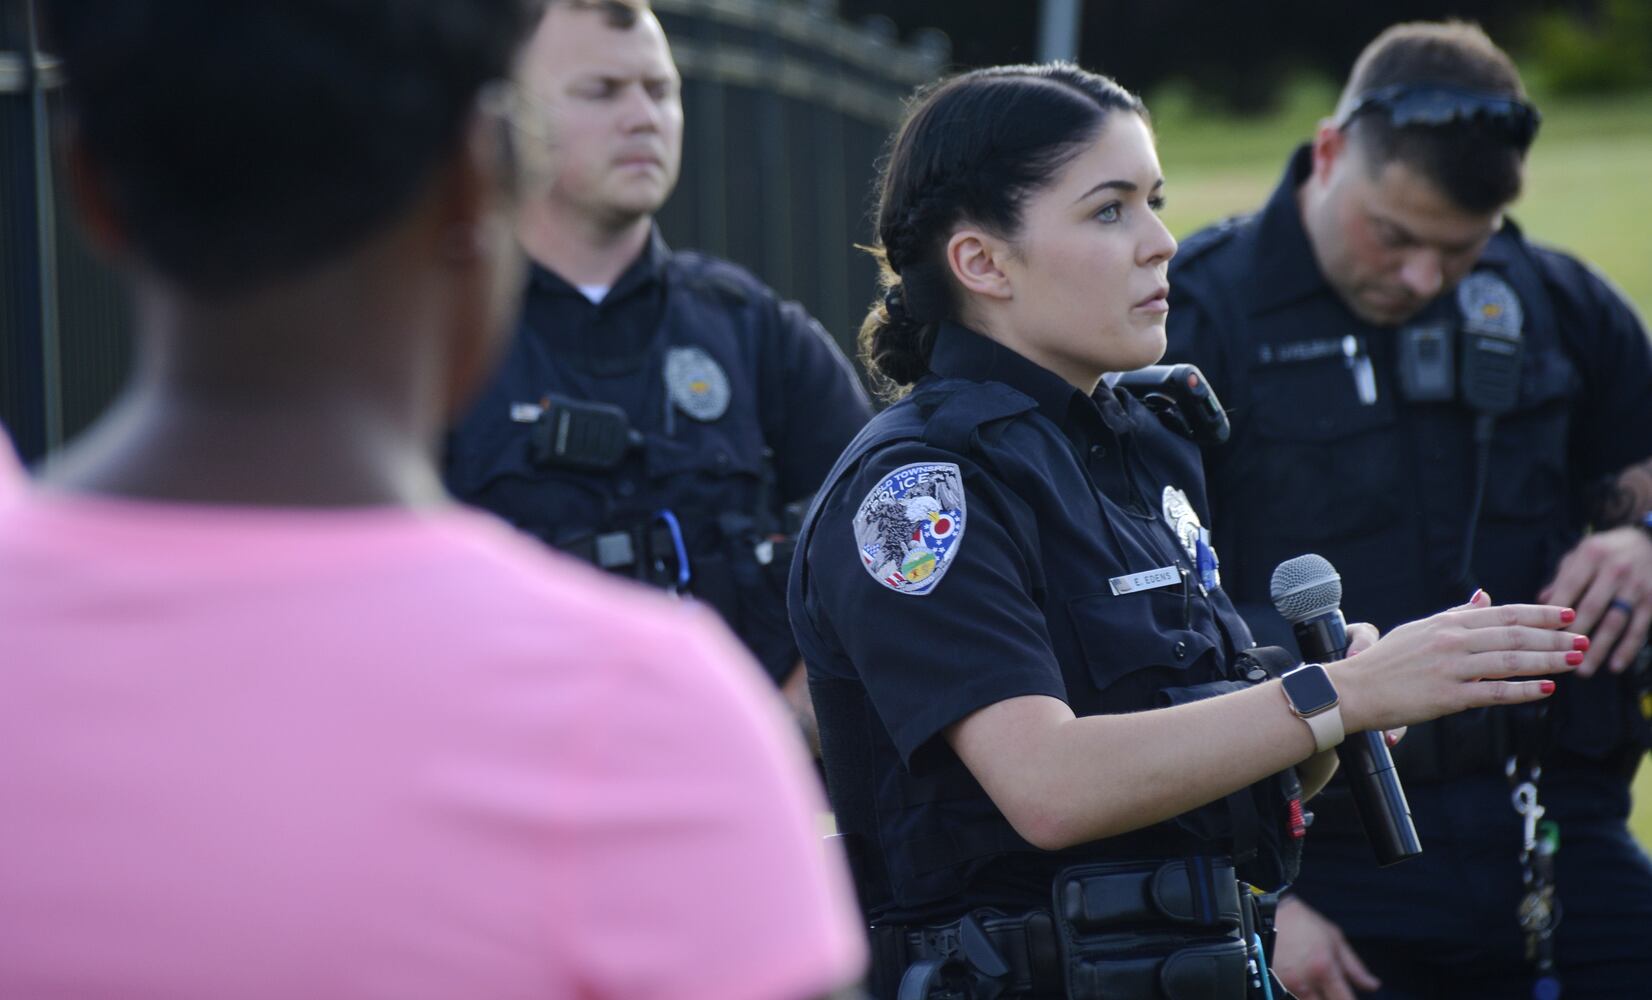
pixel 1308 592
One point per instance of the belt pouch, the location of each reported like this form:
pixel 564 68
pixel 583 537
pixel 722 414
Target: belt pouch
pixel 1155 930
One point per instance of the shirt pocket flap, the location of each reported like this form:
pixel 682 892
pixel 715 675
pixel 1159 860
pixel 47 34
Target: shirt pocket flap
pixel 1125 634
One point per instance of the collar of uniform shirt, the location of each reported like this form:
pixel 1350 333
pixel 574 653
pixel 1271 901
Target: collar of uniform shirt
pixel 1282 244
pixel 960 352
pixel 648 268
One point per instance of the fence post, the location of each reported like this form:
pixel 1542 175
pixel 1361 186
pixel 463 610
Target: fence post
pixel 1058 24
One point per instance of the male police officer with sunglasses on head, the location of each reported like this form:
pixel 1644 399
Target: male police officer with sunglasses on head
pixel 1436 405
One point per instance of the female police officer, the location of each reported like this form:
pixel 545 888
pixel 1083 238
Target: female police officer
pixel 1006 568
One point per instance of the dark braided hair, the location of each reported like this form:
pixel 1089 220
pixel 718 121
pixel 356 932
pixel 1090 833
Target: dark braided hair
pixel 973 149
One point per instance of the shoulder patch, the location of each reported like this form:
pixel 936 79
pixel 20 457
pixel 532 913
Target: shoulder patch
pixel 909 527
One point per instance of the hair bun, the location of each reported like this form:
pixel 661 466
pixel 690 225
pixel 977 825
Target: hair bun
pixel 894 304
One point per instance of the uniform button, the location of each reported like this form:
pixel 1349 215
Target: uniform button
pixel 626 488
pixel 1181 649
pixel 721 460
pixel 1256 675
pixel 1097 451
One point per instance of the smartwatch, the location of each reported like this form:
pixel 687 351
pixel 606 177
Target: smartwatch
pixel 1313 699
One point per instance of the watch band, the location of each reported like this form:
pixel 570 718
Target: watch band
pixel 1324 718
pixel 1326 727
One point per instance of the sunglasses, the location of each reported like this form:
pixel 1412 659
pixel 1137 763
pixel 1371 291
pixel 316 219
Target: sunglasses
pixel 1435 106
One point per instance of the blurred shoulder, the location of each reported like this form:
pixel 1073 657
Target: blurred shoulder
pixel 1210 245
pixel 1574 276
pixel 723 280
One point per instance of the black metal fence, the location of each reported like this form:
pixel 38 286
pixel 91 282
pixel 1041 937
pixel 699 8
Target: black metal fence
pixel 787 110
pixel 64 325
pixel 787 107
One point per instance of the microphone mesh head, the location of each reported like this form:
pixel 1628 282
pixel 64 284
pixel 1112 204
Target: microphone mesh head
pixel 1304 587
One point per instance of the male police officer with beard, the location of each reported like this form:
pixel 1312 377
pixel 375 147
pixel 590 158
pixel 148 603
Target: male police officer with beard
pixel 1436 405
pixel 658 410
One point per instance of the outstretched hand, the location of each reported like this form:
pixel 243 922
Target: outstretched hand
pixel 1462 658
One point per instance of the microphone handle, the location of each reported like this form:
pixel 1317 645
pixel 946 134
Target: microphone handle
pixel 1364 756
pixel 1379 798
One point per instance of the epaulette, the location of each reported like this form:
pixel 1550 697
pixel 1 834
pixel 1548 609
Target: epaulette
pixel 956 417
pixel 732 284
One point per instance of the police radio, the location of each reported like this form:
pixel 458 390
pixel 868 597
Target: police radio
pixel 1179 392
pixel 581 434
pixel 1478 363
pixel 1485 377
pixel 1492 343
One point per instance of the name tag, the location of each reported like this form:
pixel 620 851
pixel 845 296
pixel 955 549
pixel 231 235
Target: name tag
pixel 1153 579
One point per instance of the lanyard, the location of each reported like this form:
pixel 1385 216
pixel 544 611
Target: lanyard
pixel 1539 912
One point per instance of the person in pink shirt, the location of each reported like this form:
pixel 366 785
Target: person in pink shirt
pixel 277 718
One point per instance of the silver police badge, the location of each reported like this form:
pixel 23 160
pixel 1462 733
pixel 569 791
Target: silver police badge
pixel 697 383
pixel 908 527
pixel 1490 306
pixel 1183 521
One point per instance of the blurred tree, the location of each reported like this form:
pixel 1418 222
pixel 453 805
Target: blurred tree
pixel 1590 52
pixel 1236 55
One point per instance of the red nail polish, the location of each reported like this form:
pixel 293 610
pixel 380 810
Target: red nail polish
pixel 1575 659
pixel 1568 616
pixel 1580 642
pixel 1476 595
pixel 1547 687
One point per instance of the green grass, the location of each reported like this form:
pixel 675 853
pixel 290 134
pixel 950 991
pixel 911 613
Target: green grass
pixel 1588 190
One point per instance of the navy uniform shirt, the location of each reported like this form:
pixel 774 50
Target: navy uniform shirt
pixel 978 542
pixel 1383 486
pixel 781 404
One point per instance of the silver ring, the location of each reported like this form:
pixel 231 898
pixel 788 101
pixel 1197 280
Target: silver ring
pixel 1620 604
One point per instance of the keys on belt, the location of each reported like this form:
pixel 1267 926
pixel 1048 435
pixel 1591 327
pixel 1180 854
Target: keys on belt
pixel 1538 912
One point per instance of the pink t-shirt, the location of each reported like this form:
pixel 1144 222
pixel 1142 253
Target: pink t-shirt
pixel 262 754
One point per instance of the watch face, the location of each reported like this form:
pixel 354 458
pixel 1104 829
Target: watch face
pixel 1310 690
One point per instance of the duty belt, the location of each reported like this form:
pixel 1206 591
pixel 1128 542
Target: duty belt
pixel 1183 929
pixel 1017 953
pixel 651 551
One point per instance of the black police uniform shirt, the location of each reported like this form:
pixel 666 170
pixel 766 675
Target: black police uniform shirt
pixel 1382 487
pixel 996 534
pixel 743 401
